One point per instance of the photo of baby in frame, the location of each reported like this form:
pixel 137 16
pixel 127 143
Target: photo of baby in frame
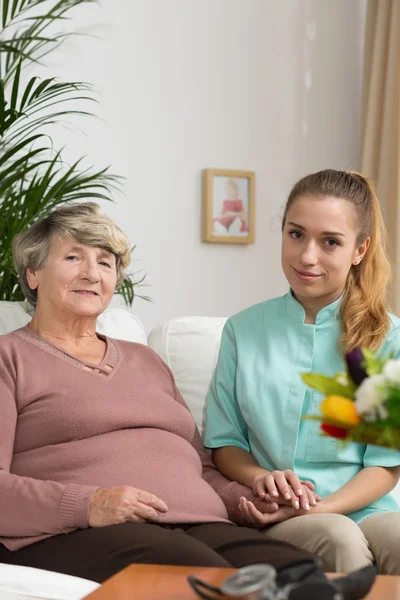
pixel 228 206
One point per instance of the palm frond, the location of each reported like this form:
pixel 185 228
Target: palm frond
pixel 36 105
pixel 11 10
pixel 34 178
pixel 28 42
pixel 129 289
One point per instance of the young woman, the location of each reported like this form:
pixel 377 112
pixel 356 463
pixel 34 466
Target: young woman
pixel 333 256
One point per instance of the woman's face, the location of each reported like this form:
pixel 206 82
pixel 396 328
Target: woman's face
pixel 319 246
pixel 76 279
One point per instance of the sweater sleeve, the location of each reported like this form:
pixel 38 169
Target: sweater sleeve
pixel 30 507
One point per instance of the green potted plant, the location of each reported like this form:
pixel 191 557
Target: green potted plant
pixel 34 179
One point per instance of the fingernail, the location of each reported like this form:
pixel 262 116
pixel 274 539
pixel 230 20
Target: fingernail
pixel 275 493
pixel 287 496
pixel 296 504
pixel 299 492
pixel 313 502
pixel 307 506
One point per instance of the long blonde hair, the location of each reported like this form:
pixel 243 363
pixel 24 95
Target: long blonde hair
pixel 363 311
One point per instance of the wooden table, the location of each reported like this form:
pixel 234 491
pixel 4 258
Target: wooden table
pixel 159 582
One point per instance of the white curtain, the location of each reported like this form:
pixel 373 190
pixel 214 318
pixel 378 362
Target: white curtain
pixel 380 155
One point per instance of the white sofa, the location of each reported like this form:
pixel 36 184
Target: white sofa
pixel 189 345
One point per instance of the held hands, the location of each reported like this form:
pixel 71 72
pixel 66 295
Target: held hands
pixel 122 504
pixel 285 488
pixel 280 496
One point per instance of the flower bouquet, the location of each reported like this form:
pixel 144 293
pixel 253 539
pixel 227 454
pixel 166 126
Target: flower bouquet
pixel 363 404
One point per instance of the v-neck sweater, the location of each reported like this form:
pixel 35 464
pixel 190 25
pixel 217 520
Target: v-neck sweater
pixel 67 430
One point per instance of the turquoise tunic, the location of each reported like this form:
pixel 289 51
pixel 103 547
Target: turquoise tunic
pixel 257 397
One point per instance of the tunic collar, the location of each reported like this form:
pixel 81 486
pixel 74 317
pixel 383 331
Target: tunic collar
pixel 295 310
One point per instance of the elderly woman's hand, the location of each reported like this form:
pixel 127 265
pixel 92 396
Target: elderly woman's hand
pixel 260 513
pixel 123 504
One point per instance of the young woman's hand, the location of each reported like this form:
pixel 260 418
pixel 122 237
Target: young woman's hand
pixel 284 487
pixel 306 501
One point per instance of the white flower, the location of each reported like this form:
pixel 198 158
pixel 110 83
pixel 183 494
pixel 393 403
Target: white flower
pixel 342 378
pixel 370 397
pixel 391 371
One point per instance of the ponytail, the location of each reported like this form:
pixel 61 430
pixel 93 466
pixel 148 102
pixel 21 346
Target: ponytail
pixel 363 308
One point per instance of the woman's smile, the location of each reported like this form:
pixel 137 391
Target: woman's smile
pixel 306 275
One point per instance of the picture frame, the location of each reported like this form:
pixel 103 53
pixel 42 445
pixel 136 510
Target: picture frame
pixel 228 209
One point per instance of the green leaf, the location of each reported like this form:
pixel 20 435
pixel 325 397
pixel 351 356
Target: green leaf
pixel 42 87
pixel 15 88
pixel 372 364
pixel 5 12
pixel 14 8
pixel 393 406
pixel 27 91
pixel 377 434
pixel 327 385
pixel 3 105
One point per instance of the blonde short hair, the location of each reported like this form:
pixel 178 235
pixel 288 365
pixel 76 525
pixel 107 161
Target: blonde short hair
pixel 85 223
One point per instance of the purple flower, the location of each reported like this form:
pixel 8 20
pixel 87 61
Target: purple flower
pixel 354 360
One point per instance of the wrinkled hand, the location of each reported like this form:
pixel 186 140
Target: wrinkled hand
pixel 285 488
pixel 123 504
pixel 260 513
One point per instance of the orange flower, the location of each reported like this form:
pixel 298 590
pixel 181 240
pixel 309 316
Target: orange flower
pixel 340 410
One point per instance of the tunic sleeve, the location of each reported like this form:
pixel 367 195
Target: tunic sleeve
pixel 376 456
pixel 225 425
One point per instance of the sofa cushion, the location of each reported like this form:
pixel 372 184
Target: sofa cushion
pixel 121 324
pixel 13 315
pixel 26 583
pixel 114 322
pixel 190 346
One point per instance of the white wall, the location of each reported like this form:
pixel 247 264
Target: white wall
pixel 266 85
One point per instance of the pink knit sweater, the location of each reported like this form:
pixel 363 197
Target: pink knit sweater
pixel 65 431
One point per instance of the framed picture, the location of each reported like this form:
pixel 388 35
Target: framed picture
pixel 228 206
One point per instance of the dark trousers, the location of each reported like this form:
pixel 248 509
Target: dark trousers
pixel 100 552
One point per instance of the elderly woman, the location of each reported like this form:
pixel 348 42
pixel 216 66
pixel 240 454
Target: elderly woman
pixel 101 464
